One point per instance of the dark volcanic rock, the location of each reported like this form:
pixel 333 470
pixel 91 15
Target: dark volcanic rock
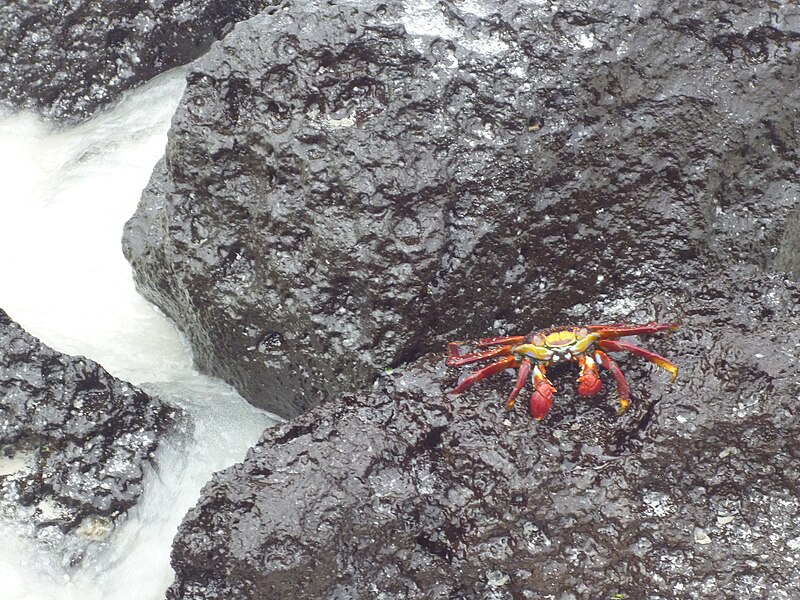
pixel 348 185
pixel 409 493
pixel 75 442
pixel 69 58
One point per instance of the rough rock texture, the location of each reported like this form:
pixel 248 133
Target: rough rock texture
pixel 348 185
pixel 68 58
pixel 75 442
pixel 788 253
pixel 408 493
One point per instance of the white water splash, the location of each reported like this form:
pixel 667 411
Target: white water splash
pixel 66 195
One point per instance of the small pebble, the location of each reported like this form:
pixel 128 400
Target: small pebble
pixel 725 520
pixel 701 537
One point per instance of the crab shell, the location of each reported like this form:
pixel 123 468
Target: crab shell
pixel 554 344
pixel 532 354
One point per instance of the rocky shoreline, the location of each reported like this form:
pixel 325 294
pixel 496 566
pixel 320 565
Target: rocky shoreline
pixel 350 185
pixel 76 444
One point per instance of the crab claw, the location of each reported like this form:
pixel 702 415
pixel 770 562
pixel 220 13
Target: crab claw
pixel 541 401
pixel 589 382
pixel 542 396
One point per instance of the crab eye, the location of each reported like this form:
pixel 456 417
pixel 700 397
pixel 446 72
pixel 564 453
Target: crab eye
pixel 582 333
pixel 538 340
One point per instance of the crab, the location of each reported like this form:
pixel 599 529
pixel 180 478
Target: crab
pixel 531 354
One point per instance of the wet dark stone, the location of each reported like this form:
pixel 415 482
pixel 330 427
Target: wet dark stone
pixel 67 59
pixel 341 197
pixel 406 492
pixel 343 193
pixel 75 443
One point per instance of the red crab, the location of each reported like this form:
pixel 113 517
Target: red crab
pixel 586 345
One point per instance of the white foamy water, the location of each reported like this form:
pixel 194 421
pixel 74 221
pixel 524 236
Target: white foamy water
pixel 65 198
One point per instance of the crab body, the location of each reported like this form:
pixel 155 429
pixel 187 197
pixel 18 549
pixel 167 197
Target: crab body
pixel 531 355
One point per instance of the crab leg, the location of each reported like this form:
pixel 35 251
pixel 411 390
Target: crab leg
pixel 501 365
pixel 618 330
pixel 542 396
pixel 654 358
pixel 454 359
pixel 622 384
pixel 589 382
pixel 496 341
pixel 522 377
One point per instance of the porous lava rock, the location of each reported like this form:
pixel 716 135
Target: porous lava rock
pixel 406 492
pixel 75 443
pixel 349 185
pixel 68 58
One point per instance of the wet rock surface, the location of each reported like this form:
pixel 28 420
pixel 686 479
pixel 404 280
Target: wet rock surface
pixel 75 443
pixel 406 492
pixel 343 196
pixel 68 59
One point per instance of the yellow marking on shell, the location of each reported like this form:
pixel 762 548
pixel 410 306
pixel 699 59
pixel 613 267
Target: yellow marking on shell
pixel 542 347
pixel 582 344
pixel 538 352
pixel 580 338
pixel 560 338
